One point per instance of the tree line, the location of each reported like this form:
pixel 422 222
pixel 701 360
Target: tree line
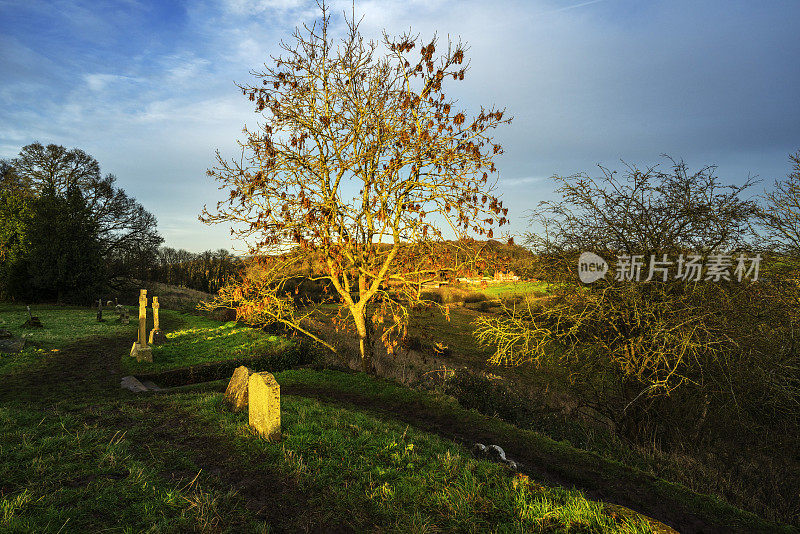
pixel 205 271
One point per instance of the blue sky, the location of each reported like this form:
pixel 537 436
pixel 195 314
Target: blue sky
pixel 147 88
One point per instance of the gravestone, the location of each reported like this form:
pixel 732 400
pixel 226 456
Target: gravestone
pixel 156 335
pixel 264 400
pixel 236 394
pixel 32 322
pixel 124 316
pixel 11 345
pixel 100 311
pixel 140 350
pixel 109 304
pixel 132 383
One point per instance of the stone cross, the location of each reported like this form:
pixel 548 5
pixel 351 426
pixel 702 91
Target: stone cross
pixel 143 318
pixel 264 410
pixel 155 313
pixel 156 335
pixel 140 350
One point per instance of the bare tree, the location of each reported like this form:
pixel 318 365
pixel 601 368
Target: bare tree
pixel 644 212
pixel 646 339
pixel 362 162
pixel 781 214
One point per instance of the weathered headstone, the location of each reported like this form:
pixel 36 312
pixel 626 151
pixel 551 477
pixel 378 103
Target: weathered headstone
pixel 32 322
pixel 140 350
pixel 156 335
pixel 264 400
pixel 236 394
pixel 109 304
pixel 11 345
pixel 124 316
pixel 100 311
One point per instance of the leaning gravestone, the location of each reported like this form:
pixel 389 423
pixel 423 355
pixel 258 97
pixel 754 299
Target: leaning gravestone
pixel 236 394
pixel 264 399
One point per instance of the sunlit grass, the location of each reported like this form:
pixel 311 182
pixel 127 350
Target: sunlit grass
pixel 376 472
pixel 508 289
pixel 200 340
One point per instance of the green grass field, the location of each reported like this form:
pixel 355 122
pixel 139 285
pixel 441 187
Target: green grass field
pixel 510 289
pixel 79 454
pixel 62 326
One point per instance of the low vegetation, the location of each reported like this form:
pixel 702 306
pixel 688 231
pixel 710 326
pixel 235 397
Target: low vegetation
pixel 63 325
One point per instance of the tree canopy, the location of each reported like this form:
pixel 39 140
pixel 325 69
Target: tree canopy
pixel 66 230
pixel 363 162
pixel 50 246
pixel 124 228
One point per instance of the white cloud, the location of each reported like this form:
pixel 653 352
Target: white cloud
pixel 524 180
pixel 100 82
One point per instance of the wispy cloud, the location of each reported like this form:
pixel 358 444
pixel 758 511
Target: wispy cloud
pixel 524 180
pixel 574 6
pixel 100 82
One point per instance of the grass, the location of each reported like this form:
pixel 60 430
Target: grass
pixel 510 289
pixel 582 467
pixel 197 340
pixel 61 472
pixel 371 472
pixel 431 326
pixel 62 325
pixel 81 459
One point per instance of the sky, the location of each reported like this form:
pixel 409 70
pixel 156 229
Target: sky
pixel 147 87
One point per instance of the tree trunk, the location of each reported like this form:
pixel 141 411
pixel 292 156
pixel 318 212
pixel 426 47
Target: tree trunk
pixel 365 342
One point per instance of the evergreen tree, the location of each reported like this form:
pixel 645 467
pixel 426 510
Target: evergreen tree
pixel 52 248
